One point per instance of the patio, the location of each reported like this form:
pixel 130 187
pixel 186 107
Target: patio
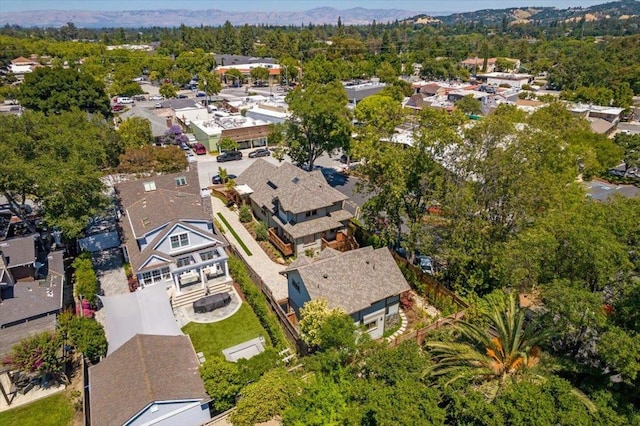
pixel 185 314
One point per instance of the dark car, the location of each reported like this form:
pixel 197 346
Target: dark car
pixel 229 156
pixel 217 180
pixel 182 96
pixel 201 95
pixel 262 152
pixel 117 108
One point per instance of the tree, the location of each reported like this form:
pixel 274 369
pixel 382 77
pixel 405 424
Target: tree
pixel 55 90
pixel 86 282
pixel 135 132
pixel 265 399
pixel 514 349
pixel 85 334
pixel 228 144
pixel 222 382
pixel 38 354
pixel 313 315
pixel 56 160
pixel 168 91
pixel 174 136
pixel 320 122
pixel 469 105
pixel 209 83
pixel 228 39
pixel 259 75
pixel 387 73
pixel 235 75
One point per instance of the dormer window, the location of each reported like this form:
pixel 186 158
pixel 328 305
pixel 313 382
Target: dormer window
pixel 312 213
pixel 181 181
pixel 149 186
pixel 180 240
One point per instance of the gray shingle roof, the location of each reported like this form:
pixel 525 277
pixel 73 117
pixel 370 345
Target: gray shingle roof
pixel 143 370
pixel 297 190
pixel 352 280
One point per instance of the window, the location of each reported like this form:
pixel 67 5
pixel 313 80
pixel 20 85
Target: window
pixel 208 255
pixel 312 213
pixel 371 325
pixel 308 239
pixel 295 285
pixel 149 186
pixel 180 240
pixel 183 261
pixel 181 181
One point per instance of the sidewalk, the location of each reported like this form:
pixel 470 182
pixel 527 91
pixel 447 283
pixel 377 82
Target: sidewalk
pixel 259 260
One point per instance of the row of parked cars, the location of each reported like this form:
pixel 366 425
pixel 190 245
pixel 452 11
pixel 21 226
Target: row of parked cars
pixel 237 155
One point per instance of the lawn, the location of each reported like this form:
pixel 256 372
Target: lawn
pixel 213 337
pixel 54 410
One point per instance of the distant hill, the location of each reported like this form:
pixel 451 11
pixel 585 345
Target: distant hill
pixel 212 17
pixel 623 9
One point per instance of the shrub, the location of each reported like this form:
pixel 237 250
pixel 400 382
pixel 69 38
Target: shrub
pixel 245 214
pixel 86 282
pixel 261 230
pixel 85 334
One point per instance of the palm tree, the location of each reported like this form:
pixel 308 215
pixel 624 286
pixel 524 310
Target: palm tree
pixel 509 349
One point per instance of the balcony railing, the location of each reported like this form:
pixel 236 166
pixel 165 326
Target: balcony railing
pixel 285 248
pixel 343 242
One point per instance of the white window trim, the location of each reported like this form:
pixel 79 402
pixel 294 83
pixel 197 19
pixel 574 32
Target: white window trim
pixel 179 237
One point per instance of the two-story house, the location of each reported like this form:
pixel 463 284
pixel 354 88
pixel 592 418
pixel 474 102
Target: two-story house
pixel 303 213
pixel 169 235
pixel 366 283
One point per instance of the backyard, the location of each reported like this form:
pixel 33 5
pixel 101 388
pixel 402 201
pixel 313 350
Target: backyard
pixel 55 410
pixel 212 338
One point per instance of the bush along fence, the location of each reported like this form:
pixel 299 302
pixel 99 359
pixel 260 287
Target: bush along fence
pixel 258 302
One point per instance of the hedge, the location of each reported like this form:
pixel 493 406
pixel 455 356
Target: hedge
pixel 258 302
pixel 233 232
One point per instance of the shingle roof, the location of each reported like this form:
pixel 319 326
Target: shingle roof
pixel 148 210
pixel 143 370
pixel 297 190
pixel 314 226
pixel 352 280
pixel 19 251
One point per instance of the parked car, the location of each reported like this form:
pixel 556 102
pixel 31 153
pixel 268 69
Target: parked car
pixel 261 152
pixel 124 100
pixel 156 98
pixel 117 108
pixel 217 180
pixel 182 96
pixel 139 98
pixel 185 147
pixel 199 149
pixel 201 95
pixel 425 263
pixel 229 156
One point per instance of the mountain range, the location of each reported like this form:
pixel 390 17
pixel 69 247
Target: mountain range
pixel 324 15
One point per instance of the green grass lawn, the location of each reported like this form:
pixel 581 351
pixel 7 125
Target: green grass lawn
pixel 54 410
pixel 212 338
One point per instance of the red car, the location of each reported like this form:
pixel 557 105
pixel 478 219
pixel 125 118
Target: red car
pixel 117 108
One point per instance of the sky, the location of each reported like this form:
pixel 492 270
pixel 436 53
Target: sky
pixel 426 6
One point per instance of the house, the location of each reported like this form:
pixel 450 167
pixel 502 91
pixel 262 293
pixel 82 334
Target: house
pixel 269 112
pixel 303 213
pixel 503 78
pixel 149 380
pixel 184 111
pixel 476 64
pixel 358 90
pixel 169 235
pixel 246 131
pixel 31 288
pixel 366 283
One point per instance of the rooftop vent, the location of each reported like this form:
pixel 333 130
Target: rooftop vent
pixel 325 276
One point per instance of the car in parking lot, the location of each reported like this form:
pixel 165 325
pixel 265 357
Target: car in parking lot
pixel 156 98
pixel 261 152
pixel 117 108
pixel 229 156
pixel 182 96
pixel 201 95
pixel 217 180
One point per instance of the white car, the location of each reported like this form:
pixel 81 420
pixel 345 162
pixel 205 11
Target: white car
pixel 156 98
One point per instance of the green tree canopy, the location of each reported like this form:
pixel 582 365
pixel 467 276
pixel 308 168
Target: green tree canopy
pixel 135 132
pixel 320 122
pixel 55 90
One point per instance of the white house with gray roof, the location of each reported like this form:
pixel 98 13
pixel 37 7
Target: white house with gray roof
pixel 169 236
pixel 303 212
pixel 366 283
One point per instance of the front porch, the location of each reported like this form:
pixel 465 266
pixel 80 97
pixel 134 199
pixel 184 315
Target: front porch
pixel 284 247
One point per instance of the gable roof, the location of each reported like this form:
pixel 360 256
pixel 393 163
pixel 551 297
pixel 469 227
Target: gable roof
pixel 145 311
pixel 147 210
pixel 352 280
pixel 19 251
pixel 143 370
pixel 297 191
